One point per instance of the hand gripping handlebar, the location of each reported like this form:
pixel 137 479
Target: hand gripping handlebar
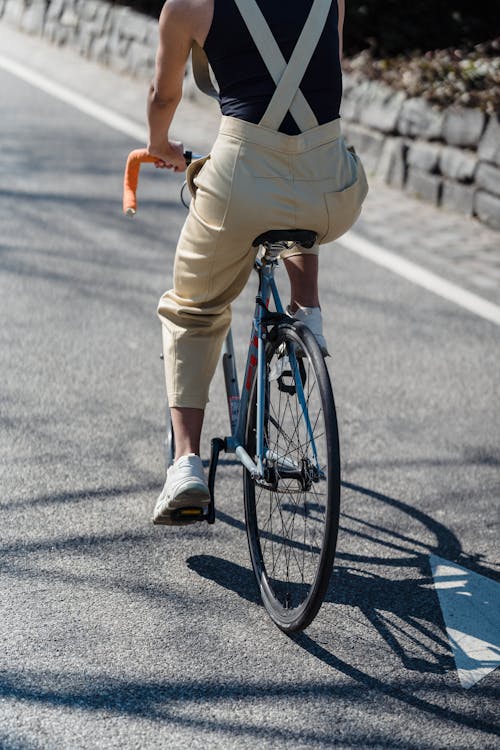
pixel 131 176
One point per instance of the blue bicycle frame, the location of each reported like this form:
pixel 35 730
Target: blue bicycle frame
pixel 238 404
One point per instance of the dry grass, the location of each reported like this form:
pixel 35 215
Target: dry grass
pixel 470 78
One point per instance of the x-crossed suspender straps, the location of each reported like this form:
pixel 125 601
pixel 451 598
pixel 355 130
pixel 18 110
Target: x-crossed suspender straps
pixel 287 76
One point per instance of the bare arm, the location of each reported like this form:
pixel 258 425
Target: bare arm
pixel 341 6
pixel 166 89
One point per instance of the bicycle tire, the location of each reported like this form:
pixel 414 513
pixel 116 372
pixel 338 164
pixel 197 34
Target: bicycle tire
pixel 292 531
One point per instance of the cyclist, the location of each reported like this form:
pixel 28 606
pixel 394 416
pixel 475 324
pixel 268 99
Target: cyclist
pixel 279 162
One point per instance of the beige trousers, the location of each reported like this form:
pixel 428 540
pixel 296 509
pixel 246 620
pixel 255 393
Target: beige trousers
pixel 255 180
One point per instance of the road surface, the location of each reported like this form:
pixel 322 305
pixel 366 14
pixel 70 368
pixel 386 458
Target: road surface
pixel 118 634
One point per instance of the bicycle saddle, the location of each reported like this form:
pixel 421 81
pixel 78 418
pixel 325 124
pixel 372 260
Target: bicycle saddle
pixel 303 237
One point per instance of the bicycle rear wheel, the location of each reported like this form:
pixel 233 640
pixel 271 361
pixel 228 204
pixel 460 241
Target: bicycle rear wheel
pixel 292 517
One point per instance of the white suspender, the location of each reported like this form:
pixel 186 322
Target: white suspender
pixel 287 76
pixel 288 89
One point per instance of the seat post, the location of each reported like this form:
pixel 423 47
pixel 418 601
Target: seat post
pixel 303 237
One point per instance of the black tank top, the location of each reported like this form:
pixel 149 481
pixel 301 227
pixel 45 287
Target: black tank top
pixel 246 86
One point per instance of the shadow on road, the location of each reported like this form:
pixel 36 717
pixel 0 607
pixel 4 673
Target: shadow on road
pixel 382 598
pixel 166 701
pixel 403 609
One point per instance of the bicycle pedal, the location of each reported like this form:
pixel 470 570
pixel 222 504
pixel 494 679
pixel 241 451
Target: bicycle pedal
pixel 182 516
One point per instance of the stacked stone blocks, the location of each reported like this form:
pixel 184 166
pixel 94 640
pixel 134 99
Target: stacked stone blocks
pixel 449 157
pixel 115 36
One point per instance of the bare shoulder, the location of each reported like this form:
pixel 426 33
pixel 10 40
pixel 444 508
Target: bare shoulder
pixel 192 17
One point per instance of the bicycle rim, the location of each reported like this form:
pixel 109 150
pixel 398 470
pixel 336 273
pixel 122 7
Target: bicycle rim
pixel 292 522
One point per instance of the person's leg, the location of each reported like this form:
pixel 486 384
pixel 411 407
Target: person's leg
pixel 185 485
pixel 304 297
pixel 195 316
pixel 303 274
pixel 187 424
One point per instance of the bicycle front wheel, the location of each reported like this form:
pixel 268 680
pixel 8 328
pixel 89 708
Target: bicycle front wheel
pixel 292 515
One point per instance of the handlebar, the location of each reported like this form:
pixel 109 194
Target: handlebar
pixel 131 176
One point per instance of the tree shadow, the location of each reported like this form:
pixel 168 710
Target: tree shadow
pixel 160 701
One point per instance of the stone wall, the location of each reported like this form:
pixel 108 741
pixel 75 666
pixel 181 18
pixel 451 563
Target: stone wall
pixel 450 157
pixel 113 35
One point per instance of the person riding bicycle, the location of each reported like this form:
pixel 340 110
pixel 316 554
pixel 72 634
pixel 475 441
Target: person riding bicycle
pixel 279 162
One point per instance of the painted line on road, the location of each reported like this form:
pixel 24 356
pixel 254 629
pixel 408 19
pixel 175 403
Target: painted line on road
pixel 351 241
pixel 97 111
pixel 420 276
pixel 470 604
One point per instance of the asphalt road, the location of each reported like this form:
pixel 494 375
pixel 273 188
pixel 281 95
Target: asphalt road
pixel 118 634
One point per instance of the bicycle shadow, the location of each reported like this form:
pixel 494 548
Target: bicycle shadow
pixel 402 608
pixel 379 599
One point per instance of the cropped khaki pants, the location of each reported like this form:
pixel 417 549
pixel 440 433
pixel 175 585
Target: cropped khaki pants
pixel 255 180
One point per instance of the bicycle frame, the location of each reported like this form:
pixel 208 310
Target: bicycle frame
pixel 269 465
pixel 256 361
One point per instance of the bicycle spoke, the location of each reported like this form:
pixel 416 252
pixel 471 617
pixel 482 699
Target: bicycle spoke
pixel 290 507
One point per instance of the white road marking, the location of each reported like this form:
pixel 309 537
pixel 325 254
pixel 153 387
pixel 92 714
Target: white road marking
pixel 470 604
pixel 351 241
pixel 420 276
pixel 80 102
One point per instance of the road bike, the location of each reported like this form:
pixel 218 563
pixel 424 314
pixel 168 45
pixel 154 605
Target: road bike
pixel 283 430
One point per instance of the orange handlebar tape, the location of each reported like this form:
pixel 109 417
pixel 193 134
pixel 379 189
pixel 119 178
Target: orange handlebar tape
pixel 131 178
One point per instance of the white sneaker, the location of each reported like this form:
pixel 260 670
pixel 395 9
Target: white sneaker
pixel 185 487
pixel 311 317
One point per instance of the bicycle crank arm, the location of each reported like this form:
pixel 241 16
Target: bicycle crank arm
pixel 216 445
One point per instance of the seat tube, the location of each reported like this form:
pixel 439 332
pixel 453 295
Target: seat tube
pixel 261 391
pixel 231 381
pixel 266 277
